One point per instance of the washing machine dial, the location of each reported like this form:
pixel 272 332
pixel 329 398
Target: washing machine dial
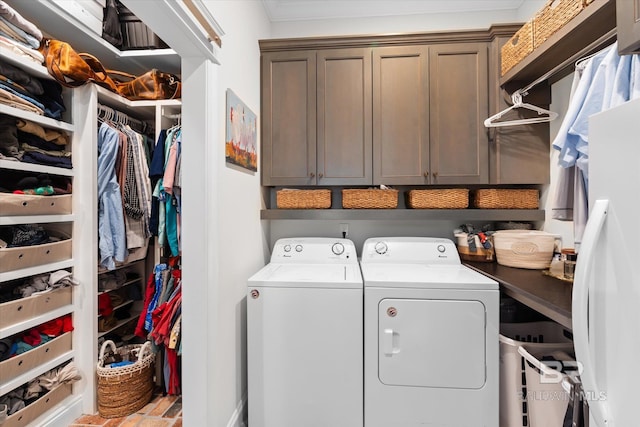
pixel 298 248
pixel 381 248
pixel 337 248
pixel 441 248
pixel 287 248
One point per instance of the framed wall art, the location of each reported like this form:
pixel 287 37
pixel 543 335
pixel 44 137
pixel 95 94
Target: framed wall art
pixel 241 134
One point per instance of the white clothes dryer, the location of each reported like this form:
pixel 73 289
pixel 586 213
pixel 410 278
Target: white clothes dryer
pixel 305 336
pixel 431 336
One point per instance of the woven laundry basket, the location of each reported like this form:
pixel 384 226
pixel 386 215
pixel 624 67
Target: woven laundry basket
pixel 452 198
pixel 491 198
pixel 124 390
pixel 369 199
pixel 517 48
pixel 553 16
pixel 303 199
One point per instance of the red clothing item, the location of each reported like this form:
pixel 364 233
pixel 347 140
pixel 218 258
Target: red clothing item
pixel 56 327
pixel 162 319
pixel 151 288
pixel 104 305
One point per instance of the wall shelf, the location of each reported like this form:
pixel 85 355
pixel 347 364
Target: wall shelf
pixel 406 214
pixel 594 27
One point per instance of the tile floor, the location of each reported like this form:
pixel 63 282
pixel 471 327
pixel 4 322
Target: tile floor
pixel 162 411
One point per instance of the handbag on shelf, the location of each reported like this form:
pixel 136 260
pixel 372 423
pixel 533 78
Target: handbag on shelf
pixel 73 69
pixel 152 85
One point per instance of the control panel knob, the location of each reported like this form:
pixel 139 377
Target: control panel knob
pixel 287 248
pixel 337 248
pixel 441 248
pixel 381 248
pixel 298 248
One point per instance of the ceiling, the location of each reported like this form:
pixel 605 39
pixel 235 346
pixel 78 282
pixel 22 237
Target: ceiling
pixel 300 10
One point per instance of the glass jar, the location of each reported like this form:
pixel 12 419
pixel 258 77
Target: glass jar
pixel 570 265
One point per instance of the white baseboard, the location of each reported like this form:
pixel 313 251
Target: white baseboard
pixel 64 414
pixel 236 419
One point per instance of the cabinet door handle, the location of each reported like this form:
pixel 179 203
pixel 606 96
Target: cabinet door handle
pixel 435 174
pixel 320 175
pixel 426 174
pixel 311 175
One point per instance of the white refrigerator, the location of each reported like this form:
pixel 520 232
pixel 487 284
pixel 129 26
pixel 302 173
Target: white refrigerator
pixel 606 290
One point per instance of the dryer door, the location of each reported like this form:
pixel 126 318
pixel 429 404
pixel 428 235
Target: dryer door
pixel 431 343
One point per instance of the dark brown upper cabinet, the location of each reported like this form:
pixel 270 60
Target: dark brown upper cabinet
pixel 404 109
pixel 289 118
pixel 344 117
pixel 458 95
pixel 316 117
pixel 628 26
pixel 401 115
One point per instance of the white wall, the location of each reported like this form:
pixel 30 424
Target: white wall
pixel 409 23
pixel 242 236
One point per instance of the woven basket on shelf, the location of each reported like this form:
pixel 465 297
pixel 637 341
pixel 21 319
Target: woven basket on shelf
pixel 451 198
pixel 303 199
pixel 506 199
pixel 517 47
pixel 553 16
pixel 369 199
pixel 123 390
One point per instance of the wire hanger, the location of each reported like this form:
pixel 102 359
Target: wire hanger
pixel 542 117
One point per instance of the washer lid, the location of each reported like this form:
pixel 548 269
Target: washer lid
pixel 294 275
pixel 424 276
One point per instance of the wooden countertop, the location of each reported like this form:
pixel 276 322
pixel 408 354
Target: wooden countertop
pixel 544 294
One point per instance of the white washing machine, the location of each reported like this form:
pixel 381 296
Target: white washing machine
pixel 305 336
pixel 431 336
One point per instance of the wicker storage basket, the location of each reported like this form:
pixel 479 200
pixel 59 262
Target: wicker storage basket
pixel 517 47
pixel 506 199
pixel 553 16
pixel 303 199
pixel 369 199
pixel 453 198
pixel 124 390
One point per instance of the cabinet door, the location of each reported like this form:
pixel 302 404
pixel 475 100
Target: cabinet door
pixel 628 26
pixel 459 98
pixel 401 115
pixel 289 118
pixel 344 117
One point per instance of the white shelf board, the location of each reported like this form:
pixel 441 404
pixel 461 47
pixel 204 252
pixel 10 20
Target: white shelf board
pixel 35 321
pixel 31 271
pixel 34 373
pixel 32 67
pixel 127 302
pixel 62 25
pixel 145 110
pixel 127 283
pixel 32 167
pixel 102 270
pixel 37 118
pixel 35 219
pixel 120 323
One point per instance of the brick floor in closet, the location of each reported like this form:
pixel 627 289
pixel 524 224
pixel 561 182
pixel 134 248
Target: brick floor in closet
pixel 162 411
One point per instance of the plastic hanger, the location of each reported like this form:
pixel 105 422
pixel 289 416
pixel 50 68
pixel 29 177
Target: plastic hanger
pixel 543 115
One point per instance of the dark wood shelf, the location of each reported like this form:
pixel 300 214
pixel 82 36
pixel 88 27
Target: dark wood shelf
pixel 406 214
pixel 594 28
pixel 544 294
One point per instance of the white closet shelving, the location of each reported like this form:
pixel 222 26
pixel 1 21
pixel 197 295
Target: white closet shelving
pixel 80 121
pixel 25 313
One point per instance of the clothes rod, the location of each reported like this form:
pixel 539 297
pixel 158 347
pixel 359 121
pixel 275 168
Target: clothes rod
pixel 591 47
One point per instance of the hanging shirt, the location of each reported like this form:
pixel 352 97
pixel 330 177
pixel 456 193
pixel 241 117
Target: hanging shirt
pixel 111 234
